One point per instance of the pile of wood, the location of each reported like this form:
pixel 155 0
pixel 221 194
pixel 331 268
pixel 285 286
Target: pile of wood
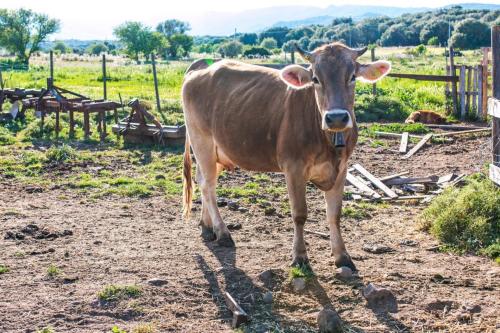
pixel 398 187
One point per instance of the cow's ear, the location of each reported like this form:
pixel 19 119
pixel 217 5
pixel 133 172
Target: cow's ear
pixel 296 77
pixel 374 71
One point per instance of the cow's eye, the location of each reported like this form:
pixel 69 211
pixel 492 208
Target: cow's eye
pixel 353 78
pixel 315 80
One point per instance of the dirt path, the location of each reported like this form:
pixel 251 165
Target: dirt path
pixel 129 241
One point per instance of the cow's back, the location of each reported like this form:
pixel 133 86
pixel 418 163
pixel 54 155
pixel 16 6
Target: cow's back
pixel 242 107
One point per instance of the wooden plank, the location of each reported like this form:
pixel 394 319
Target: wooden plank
pixel 417 180
pixel 446 178
pixel 469 89
pixel 494 107
pixel 474 89
pixel 419 145
pixel 396 175
pixel 462 92
pixel 425 77
pixel 495 174
pixel 455 127
pixel 375 181
pixel 355 181
pixel 402 198
pixel 239 315
pixel 395 135
pixel 404 142
pixel 481 130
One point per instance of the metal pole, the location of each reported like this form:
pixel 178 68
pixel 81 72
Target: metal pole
pixel 51 64
pixel 153 61
pixel 104 77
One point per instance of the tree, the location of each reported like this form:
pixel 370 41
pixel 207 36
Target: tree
pixel 180 44
pixel 248 38
pixel 304 43
pixel 434 41
pixel 173 27
pixel 139 39
pixel 231 49
pixel 436 28
pixel 278 33
pixel 60 47
pixel 97 49
pixel 22 31
pixel 315 43
pixel 470 34
pixel 256 51
pixel 298 33
pixel 269 43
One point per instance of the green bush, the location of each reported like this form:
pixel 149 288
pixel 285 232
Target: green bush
pixel 467 219
pixel 60 154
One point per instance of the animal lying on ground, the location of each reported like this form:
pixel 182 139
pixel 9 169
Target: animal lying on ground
pixel 268 120
pixel 425 117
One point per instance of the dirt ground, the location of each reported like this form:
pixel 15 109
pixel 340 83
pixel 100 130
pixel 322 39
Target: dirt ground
pixel 129 241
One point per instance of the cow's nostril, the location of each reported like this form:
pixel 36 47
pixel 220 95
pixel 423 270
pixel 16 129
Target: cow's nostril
pixel 345 118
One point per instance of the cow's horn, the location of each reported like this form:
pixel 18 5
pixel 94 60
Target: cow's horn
pixel 304 54
pixel 361 51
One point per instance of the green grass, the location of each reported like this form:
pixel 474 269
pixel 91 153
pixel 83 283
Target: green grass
pixel 114 293
pixel 303 271
pixel 415 128
pixel 53 271
pixel 4 269
pixel 467 219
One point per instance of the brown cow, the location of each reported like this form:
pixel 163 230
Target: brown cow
pixel 267 120
pixel 425 117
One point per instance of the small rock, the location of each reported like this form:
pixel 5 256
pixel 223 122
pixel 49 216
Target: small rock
pixel 157 282
pixel 377 248
pixel 343 273
pixel 268 211
pixel 234 226
pixel 233 205
pixel 222 202
pixel 268 297
pixel 70 279
pixel 299 284
pixel 380 299
pixel 329 321
pixel 242 210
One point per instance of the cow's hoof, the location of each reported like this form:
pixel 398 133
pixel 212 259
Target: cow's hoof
pixel 207 234
pixel 345 261
pixel 226 241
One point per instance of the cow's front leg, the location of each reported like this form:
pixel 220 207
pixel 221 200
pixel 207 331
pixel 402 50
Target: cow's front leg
pixel 296 186
pixel 333 199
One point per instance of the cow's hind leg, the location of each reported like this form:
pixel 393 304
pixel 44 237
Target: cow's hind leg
pixel 206 159
pixel 333 200
pixel 207 230
pixel 296 186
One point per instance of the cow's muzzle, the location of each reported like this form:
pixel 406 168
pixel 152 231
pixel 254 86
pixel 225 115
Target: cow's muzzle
pixel 336 120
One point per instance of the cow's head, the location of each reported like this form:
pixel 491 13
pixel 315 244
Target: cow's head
pixel 333 73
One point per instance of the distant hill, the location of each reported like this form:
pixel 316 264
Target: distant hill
pixel 361 12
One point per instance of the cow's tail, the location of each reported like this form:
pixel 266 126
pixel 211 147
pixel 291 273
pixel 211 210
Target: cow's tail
pixel 187 191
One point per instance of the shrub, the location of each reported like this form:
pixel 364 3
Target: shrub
pixel 60 154
pixel 256 51
pixel 467 219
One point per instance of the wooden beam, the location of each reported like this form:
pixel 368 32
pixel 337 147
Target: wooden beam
pixel 239 315
pixel 494 107
pixel 425 77
pixel 454 127
pixel 396 135
pixel 417 180
pixel 375 181
pixel 462 92
pixel 404 142
pixel 419 145
pixel 495 174
pixel 482 130
pixel 356 182
pixel 396 175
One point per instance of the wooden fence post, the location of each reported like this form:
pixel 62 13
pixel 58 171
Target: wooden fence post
pixel 474 89
pixel 374 86
pixel 453 84
pixel 51 65
pixel 462 92
pixel 104 77
pixel 495 51
pixel 484 82
pixel 158 106
pixel 469 89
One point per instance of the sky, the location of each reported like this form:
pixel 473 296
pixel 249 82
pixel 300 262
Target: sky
pixel 95 19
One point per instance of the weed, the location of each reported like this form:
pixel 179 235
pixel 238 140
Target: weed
pixel 4 269
pixel 53 271
pixel 302 271
pixel 61 154
pixel 114 293
pixel 116 329
pixel 6 137
pixel 46 330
